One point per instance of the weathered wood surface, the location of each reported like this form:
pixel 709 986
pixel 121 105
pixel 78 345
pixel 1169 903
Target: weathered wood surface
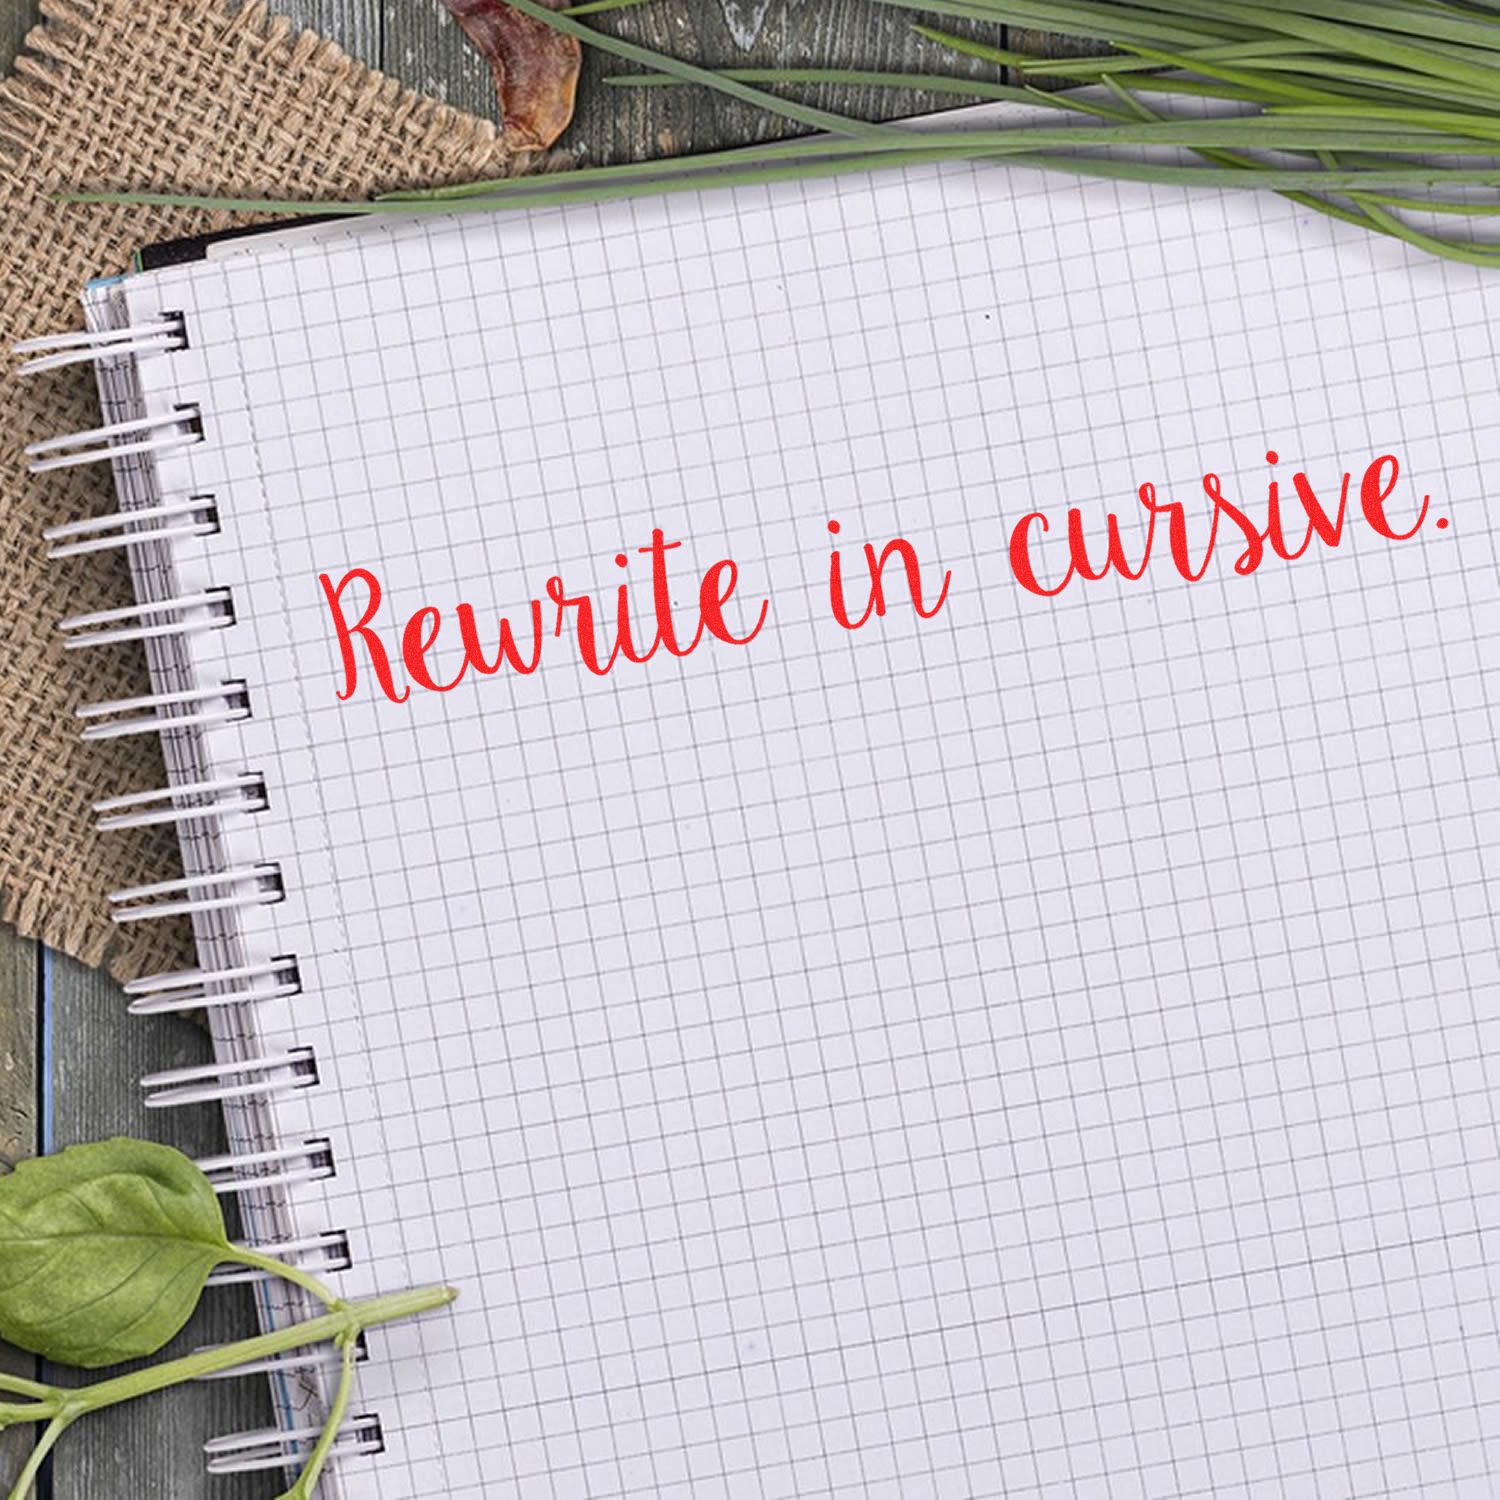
pixel 613 124
pixel 94 1055
pixel 20 995
pixel 65 1039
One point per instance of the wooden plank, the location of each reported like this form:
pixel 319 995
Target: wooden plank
pixel 19 992
pixel 354 24
pixel 19 989
pixel 619 124
pixel 17 17
pixel 97 1054
pixel 426 49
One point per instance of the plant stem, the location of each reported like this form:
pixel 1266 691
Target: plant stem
pixel 44 1445
pixel 38 1411
pixel 307 1481
pixel 287 1272
pixel 342 1324
pixel 18 1387
pixel 352 1318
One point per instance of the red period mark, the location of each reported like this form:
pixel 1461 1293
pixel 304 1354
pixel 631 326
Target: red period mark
pixel 1320 519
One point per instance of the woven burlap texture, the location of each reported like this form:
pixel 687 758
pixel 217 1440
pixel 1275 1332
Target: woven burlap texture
pixel 182 96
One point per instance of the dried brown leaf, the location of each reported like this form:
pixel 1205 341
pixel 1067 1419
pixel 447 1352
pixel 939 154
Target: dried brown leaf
pixel 535 67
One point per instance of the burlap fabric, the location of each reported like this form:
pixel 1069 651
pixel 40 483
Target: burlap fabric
pixel 179 95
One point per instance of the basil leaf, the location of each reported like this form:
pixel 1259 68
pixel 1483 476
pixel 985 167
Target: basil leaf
pixel 105 1250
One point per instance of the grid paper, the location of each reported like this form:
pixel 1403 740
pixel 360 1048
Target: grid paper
pixel 1044 1051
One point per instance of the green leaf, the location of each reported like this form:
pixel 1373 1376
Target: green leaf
pixel 104 1251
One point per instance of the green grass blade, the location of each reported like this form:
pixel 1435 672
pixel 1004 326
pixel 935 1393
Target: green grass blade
pixel 1348 180
pixel 927 83
pixel 1266 89
pixel 970 48
pixel 790 151
pixel 1371 45
pixel 1276 178
pixel 1114 24
pixel 1445 206
pixel 593 7
pixel 1468 253
pixel 1419 23
pixel 596 192
pixel 1463 122
pixel 1132 62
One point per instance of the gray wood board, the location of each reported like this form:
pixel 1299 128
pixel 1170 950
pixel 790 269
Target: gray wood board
pixel 20 991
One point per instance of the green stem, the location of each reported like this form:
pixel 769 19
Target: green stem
pixel 342 1324
pixel 18 1387
pixel 350 1320
pixel 307 1481
pixel 602 193
pixel 37 1411
pixel 739 157
pixel 286 1272
pixel 44 1445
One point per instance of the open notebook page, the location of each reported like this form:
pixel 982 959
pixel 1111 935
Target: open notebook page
pixel 1043 1049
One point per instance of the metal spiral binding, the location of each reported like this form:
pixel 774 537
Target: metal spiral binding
pixel 146 528
pixel 180 428
pixel 323 1357
pixel 118 717
pixel 223 890
pixel 213 609
pixel 58 350
pixel 243 1078
pixel 231 1175
pixel 221 797
pixel 198 515
pixel 254 1452
pixel 322 1254
pixel 200 989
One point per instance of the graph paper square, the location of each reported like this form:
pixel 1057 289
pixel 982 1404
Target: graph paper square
pixel 1048 1049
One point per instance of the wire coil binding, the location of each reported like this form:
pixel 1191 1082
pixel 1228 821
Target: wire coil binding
pixel 253 1452
pixel 58 350
pixel 241 1078
pixel 322 1254
pixel 312 1161
pixel 180 428
pixel 221 797
pixel 118 717
pixel 223 890
pixel 197 989
pixel 213 609
pixel 183 711
pixel 198 515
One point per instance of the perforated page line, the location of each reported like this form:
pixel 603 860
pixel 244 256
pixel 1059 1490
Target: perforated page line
pixel 1044 1050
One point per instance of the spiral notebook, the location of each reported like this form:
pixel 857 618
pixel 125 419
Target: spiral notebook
pixel 1034 1042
